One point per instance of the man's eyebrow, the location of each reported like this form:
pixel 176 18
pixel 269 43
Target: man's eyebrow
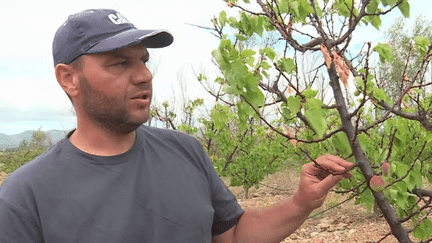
pixel 115 54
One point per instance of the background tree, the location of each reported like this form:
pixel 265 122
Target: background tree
pixel 23 144
pixel 40 140
pixel 13 159
pixel 401 39
pixel 244 153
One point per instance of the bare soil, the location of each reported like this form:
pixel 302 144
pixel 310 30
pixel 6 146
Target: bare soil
pixel 342 224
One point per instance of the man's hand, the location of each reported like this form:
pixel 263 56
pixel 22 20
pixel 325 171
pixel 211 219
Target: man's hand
pixel 273 224
pixel 317 178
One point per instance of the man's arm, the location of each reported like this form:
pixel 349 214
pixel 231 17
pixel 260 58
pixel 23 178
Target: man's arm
pixel 277 222
pixel 15 227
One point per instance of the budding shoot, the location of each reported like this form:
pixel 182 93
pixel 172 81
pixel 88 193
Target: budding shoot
pixel 386 168
pixel 377 183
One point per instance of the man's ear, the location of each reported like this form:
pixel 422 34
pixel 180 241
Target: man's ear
pixel 68 79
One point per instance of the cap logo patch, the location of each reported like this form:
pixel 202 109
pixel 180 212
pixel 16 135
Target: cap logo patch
pixel 117 18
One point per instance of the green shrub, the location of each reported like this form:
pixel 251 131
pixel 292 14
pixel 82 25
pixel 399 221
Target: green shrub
pixel 12 160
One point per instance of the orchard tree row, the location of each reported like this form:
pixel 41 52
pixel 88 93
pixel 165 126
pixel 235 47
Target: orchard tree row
pixel 10 160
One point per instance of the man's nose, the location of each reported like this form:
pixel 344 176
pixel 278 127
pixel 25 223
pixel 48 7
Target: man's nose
pixel 141 74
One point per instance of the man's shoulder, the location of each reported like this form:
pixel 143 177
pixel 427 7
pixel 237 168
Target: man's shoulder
pixel 163 140
pixel 41 164
pixel 164 134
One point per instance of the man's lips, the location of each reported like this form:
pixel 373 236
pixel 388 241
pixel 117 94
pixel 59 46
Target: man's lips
pixel 142 95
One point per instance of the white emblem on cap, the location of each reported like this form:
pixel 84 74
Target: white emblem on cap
pixel 118 18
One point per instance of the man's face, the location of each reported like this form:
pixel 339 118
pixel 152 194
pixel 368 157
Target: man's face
pixel 116 88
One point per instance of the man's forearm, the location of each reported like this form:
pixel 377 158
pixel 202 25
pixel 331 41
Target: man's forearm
pixel 271 224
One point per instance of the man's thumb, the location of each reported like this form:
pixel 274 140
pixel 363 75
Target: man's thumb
pixel 328 182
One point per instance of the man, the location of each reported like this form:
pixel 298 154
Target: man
pixel 114 180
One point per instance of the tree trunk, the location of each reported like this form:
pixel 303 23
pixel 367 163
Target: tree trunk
pixel 396 228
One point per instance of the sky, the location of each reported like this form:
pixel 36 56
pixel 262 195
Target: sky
pixel 30 97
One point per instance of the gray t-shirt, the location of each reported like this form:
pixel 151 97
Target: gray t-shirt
pixel 164 189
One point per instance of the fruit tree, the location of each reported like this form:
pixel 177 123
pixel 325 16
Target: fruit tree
pixel 387 139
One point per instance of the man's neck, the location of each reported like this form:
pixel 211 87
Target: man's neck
pixel 97 141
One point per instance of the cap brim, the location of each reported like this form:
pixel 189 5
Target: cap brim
pixel 149 38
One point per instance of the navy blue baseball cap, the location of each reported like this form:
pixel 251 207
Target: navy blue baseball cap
pixel 101 30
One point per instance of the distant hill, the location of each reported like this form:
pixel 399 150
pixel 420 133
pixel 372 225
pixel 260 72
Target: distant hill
pixel 12 141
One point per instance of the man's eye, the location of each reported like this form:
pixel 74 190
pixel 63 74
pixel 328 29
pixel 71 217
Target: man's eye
pixel 121 64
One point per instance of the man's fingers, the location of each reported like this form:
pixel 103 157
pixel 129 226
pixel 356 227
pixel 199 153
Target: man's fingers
pixel 340 161
pixel 327 183
pixel 334 162
pixel 335 165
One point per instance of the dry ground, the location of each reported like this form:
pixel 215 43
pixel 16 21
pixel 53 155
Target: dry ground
pixel 345 223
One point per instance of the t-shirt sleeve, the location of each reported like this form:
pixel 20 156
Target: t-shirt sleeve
pixel 227 210
pixel 16 227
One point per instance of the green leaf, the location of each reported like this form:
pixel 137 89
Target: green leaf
pixel 389 2
pixel 401 199
pixel 245 24
pixel 401 169
pixel 222 18
pixel 359 82
pixel 318 9
pixel 385 52
pixel 282 6
pixel 419 232
pixel 286 112
pixel 221 115
pixel 294 104
pixel 309 93
pixel 218 57
pixel 315 116
pixel 412 199
pixel 287 65
pixel 379 94
pixel 428 227
pixel 247 53
pixel 372 6
pixel 241 37
pixel 304 10
pixel 428 138
pixel 404 7
pixel 250 61
pixel 376 21
pixel 344 7
pixel 265 65
pixel 270 53
pixel 341 143
pixel 257 24
pixel 294 7
pixel 422 43
pixel 233 22
pixel 393 193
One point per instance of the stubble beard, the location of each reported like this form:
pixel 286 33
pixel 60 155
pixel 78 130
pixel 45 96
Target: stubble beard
pixel 107 112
